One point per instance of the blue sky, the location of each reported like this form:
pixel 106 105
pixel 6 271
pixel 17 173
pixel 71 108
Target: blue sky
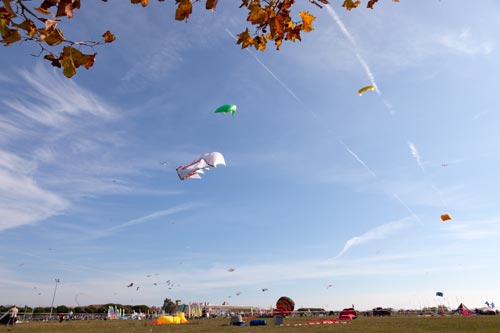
pixel 321 186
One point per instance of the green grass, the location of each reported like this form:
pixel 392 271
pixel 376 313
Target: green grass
pixel 455 324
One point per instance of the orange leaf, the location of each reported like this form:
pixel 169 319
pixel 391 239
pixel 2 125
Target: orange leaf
pixel 244 39
pixel 108 37
pixel 260 43
pixel 144 3
pixel 256 14
pixel 184 9
pixel 307 20
pixel 350 4
pixel 210 4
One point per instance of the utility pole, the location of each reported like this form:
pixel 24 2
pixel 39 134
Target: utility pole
pixel 54 297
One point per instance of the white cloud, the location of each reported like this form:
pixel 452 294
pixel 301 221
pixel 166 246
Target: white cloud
pixel 463 42
pixel 23 201
pixel 379 232
pixel 37 154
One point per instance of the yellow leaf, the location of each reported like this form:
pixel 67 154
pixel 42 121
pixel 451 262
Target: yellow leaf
pixel 244 39
pixel 256 14
pixel 260 43
pixel 68 67
pixel 307 20
pixel 350 4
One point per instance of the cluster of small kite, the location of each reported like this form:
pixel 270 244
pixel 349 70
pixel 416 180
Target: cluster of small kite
pixel 169 283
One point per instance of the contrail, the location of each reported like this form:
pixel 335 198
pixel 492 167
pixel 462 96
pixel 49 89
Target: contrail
pixel 361 60
pixel 272 74
pixel 379 232
pixel 406 206
pixel 358 159
pixel 415 154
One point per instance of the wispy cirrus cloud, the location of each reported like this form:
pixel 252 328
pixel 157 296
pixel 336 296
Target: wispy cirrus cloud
pixel 463 42
pixel 46 135
pixel 379 232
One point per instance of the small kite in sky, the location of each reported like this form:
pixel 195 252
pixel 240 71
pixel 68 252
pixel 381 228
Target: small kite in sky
pixel 444 164
pixel 445 217
pixel 130 284
pixel 329 286
pixel 264 289
pixel 137 288
pixel 365 89
pixel 439 293
pixel 155 284
pixel 195 168
pixel 231 270
pixel 227 108
pixel 238 293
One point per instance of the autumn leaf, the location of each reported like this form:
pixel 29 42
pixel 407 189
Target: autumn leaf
pixel 210 4
pixel 371 3
pixel 184 9
pixel 350 4
pixel 144 3
pixel 51 35
pixel 260 43
pixel 245 39
pixel 65 7
pixel 46 4
pixel 10 36
pixel 256 14
pixel 27 25
pixel 43 10
pixel 8 8
pixel 307 20
pixel 108 37
pixel 53 60
pixel 72 58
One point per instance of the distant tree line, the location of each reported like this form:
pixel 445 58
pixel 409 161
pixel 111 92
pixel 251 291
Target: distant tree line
pixel 101 308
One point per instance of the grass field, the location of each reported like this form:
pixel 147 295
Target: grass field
pixel 388 324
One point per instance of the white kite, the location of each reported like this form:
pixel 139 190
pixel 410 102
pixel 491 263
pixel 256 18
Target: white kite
pixel 195 168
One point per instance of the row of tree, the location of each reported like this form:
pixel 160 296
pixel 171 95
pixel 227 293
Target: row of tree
pixel 168 306
pixel 90 309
